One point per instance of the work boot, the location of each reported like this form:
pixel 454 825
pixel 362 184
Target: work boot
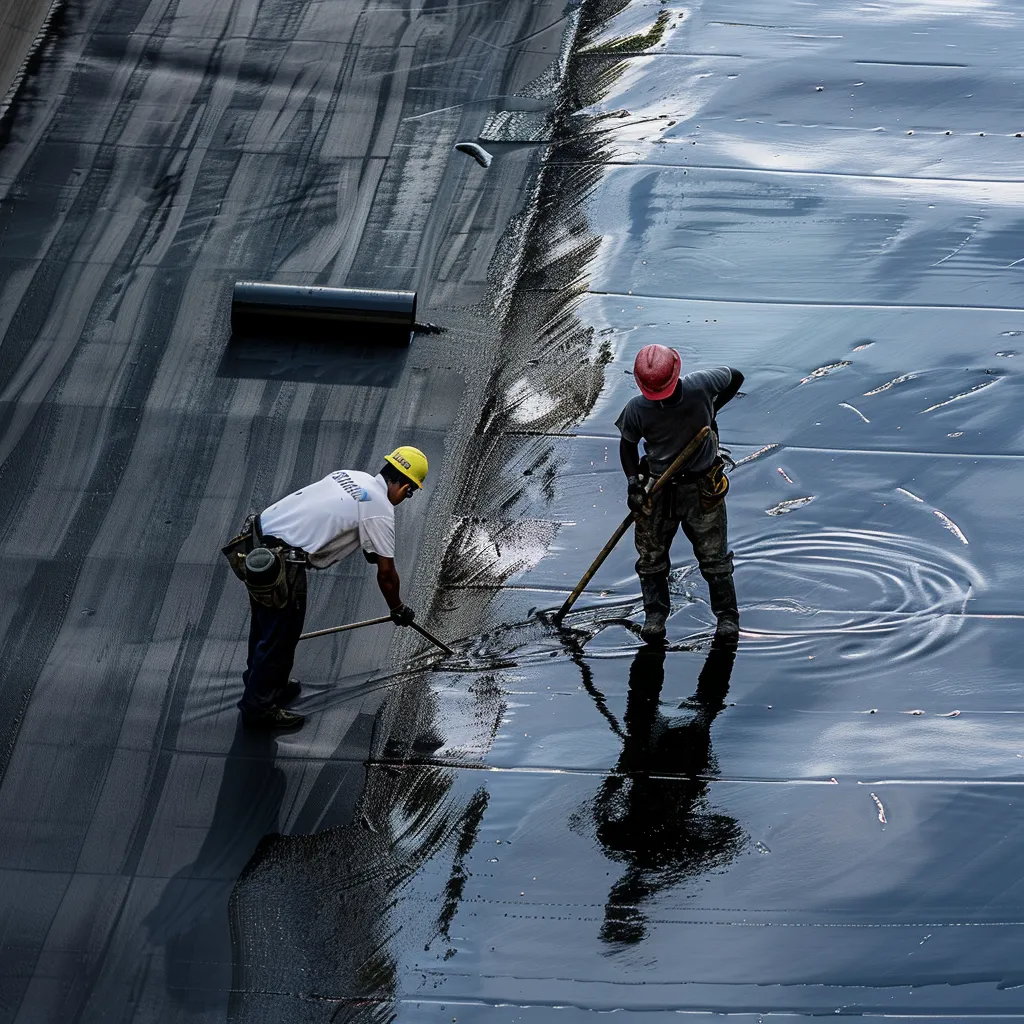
pixel 288 693
pixel 272 718
pixel 722 592
pixel 656 607
pixel 653 629
pixel 728 629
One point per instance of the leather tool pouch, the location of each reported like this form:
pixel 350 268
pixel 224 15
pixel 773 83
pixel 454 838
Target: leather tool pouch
pixel 266 577
pixel 277 576
pixel 239 546
pixel 713 486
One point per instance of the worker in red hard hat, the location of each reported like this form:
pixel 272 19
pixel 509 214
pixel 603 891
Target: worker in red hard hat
pixel 667 414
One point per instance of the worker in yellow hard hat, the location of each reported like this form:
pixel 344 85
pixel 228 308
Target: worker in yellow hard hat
pixel 317 525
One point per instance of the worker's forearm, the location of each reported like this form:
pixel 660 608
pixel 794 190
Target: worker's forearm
pixel 729 392
pixel 389 583
pixel 629 458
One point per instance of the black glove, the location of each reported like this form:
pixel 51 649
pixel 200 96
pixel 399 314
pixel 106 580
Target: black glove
pixel 636 496
pixel 402 615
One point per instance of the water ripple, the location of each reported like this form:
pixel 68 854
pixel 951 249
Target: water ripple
pixel 866 592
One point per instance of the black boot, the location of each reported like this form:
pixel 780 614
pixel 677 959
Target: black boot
pixel 656 607
pixel 723 604
pixel 272 718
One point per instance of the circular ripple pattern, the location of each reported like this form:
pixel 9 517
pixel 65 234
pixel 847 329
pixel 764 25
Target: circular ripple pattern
pixel 868 593
pixel 865 593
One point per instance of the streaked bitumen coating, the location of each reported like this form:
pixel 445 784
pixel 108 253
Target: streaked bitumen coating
pixel 550 823
pixel 159 152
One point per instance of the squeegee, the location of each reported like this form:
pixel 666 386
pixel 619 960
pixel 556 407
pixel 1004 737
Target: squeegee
pixel 253 302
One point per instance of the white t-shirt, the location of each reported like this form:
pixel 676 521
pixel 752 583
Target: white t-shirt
pixel 334 516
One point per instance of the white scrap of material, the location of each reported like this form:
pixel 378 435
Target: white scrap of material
pixel 951 526
pixel 909 494
pixel 881 809
pixel 478 153
pixel 853 408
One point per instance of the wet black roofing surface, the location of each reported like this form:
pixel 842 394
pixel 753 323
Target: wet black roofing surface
pixel 551 823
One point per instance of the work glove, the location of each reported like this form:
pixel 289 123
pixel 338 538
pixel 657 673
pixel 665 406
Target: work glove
pixel 636 496
pixel 402 615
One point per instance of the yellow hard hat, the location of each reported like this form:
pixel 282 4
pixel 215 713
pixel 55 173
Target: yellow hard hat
pixel 410 462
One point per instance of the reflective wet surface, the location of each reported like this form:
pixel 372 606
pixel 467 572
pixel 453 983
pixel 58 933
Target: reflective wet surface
pixel 552 822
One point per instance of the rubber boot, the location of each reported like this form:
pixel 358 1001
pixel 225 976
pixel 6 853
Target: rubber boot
pixel 656 607
pixel 723 604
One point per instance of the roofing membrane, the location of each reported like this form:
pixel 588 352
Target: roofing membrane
pixel 551 823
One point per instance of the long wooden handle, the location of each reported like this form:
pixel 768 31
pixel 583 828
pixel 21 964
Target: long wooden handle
pixel 377 622
pixel 680 460
pixel 344 629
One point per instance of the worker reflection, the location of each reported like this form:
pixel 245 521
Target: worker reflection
pixel 190 920
pixel 651 815
pixel 317 525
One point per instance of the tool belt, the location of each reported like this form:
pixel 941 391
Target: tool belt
pixel 269 568
pixel 712 485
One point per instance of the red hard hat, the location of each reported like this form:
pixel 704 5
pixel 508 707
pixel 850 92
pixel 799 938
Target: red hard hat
pixel 656 371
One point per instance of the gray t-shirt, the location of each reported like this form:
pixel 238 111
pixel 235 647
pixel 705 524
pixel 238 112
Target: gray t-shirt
pixel 667 427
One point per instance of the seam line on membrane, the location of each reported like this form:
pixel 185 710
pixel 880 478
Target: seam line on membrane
pixel 702 1010
pixel 813 303
pixel 897 179
pixel 784 447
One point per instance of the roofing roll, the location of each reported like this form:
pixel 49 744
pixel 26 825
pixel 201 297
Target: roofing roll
pixel 252 301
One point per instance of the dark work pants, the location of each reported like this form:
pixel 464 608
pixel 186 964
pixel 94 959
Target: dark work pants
pixel 273 636
pixel 707 531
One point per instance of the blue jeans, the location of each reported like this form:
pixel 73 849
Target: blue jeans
pixel 273 637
